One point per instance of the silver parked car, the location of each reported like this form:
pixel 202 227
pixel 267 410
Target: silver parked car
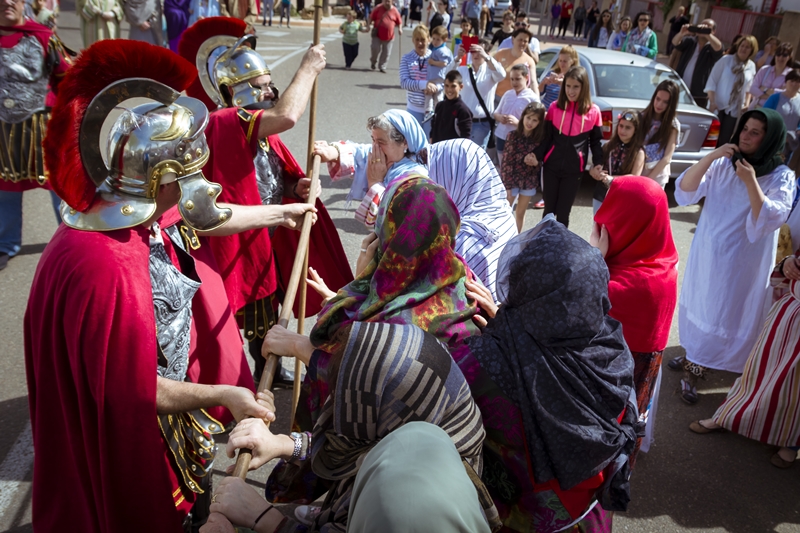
pixel 620 81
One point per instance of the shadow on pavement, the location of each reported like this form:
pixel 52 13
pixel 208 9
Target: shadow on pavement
pixel 709 481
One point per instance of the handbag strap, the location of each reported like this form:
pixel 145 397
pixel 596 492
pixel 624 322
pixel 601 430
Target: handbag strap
pixel 480 98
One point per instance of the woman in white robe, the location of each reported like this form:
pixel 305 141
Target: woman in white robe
pixel 725 295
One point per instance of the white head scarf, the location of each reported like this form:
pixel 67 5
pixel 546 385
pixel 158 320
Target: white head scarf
pixel 487 224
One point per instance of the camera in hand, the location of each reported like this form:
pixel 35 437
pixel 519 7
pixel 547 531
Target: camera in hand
pixel 701 30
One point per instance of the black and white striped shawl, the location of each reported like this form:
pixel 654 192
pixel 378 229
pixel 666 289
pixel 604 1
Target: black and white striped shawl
pixel 389 375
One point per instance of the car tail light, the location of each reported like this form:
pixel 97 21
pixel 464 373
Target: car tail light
pixel 608 124
pixel 713 135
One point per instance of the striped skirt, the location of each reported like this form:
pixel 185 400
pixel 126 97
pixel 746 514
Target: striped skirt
pixel 764 403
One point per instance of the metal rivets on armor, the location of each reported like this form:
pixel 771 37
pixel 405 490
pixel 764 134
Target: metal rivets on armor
pixel 255 92
pixel 234 70
pixel 187 157
pixel 194 468
pixel 249 332
pixel 211 192
pixel 8 103
pixel 223 217
pixel 127 210
pixel 199 152
pixel 238 101
pixel 212 426
pixel 189 205
pixel 72 211
pixel 247 65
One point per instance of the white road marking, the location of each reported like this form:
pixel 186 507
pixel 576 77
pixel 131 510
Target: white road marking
pixel 15 467
pixel 273 48
pixel 274 33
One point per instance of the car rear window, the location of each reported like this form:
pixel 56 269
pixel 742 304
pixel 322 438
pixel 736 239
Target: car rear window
pixel 628 81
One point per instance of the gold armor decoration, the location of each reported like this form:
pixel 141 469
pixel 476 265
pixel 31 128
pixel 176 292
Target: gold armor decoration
pixel 21 149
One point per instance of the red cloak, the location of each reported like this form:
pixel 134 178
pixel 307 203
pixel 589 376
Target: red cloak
pixel 245 259
pixel 90 356
pixel 642 261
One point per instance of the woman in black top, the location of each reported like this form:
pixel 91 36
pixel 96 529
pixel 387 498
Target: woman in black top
pixel 505 30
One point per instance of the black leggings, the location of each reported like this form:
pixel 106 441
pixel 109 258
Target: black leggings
pixel 578 28
pixel 560 190
pixel 562 26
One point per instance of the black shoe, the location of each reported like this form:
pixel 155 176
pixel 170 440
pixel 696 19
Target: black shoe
pixel 4 260
pixel 676 363
pixel 264 23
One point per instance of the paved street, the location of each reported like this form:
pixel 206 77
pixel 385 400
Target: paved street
pixel 712 483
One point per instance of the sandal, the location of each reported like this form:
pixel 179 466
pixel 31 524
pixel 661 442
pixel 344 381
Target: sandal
pixel 676 363
pixel 700 429
pixel 688 392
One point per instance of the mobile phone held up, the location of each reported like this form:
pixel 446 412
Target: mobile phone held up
pixel 700 30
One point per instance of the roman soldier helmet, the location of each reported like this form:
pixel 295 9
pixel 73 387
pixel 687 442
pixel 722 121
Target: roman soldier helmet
pixel 149 144
pixel 223 50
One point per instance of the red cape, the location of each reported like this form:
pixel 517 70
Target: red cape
pixel 90 355
pixel 642 260
pixel 245 259
pixel 91 367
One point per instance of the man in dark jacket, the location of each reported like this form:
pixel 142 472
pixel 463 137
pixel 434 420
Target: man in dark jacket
pixel 452 118
pixel 699 52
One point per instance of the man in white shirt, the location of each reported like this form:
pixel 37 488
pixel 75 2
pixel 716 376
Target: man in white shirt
pixel 533 45
pixel 487 73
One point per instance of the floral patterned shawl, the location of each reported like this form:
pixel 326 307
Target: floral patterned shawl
pixel 416 277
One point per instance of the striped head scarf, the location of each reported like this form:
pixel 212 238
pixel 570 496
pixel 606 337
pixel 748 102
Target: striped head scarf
pixel 487 224
pixel 389 375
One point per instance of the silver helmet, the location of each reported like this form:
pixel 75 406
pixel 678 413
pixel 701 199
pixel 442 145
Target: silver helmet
pixel 149 145
pixel 225 61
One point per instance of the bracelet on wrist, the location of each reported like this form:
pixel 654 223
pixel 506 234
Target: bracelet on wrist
pixel 265 511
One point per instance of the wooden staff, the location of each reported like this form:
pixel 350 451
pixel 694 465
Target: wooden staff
pixel 271 368
pixel 312 109
pixel 313 166
pixel 298 365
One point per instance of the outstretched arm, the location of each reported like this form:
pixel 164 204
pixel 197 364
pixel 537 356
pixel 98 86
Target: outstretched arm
pixel 292 104
pixel 247 217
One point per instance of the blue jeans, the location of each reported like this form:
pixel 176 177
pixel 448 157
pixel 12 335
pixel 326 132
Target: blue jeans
pixel 268 8
pixel 420 116
pixel 480 133
pixel 11 220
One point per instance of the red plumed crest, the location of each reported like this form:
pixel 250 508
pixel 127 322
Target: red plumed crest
pixel 102 64
pixel 194 37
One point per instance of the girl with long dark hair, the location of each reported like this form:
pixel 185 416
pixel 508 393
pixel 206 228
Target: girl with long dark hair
pixel 573 128
pixel 660 128
pixel 601 33
pixel 623 155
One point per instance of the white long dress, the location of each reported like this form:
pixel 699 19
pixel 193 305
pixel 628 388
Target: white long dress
pixel 726 294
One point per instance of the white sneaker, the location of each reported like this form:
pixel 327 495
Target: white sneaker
pixel 307 514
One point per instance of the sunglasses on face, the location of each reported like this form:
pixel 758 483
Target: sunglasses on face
pixel 521 24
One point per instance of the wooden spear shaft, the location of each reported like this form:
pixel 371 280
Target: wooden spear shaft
pixel 271 368
pixel 312 164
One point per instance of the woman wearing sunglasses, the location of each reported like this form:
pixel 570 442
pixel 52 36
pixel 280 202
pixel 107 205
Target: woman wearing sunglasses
pixel 771 78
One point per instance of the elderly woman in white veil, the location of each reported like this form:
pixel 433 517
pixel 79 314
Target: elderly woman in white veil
pixel 460 166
